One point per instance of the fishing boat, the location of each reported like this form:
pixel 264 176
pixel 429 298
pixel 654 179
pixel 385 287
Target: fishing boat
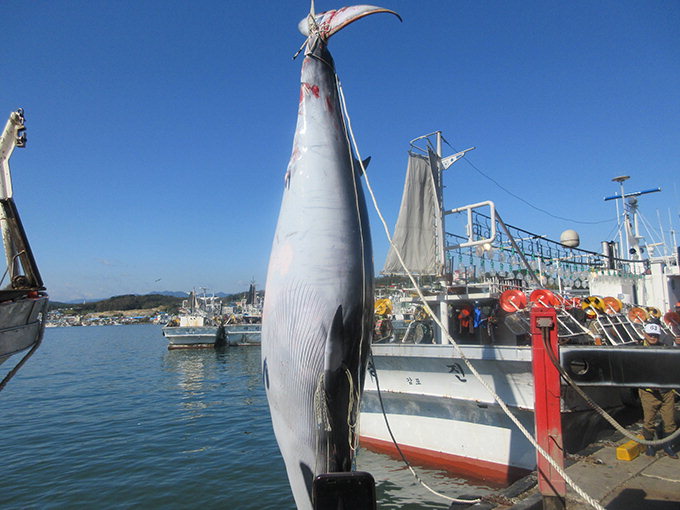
pixel 204 322
pixel 23 300
pixel 481 286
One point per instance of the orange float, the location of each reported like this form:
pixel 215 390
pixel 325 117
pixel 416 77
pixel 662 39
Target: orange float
pixel 612 305
pixel 544 297
pixel 513 300
pixel 637 314
pixel 573 302
pixel 671 318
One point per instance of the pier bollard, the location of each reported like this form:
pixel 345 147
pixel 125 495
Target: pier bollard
pixel 547 415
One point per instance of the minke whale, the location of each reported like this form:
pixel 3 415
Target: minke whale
pixel 318 310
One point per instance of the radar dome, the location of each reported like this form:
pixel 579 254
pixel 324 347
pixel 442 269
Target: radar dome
pixel 570 239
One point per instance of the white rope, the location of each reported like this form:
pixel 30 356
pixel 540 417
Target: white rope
pixel 403 457
pixel 660 478
pixel 352 410
pixel 592 502
pixel 363 169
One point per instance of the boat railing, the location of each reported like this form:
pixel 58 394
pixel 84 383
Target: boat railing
pixel 618 329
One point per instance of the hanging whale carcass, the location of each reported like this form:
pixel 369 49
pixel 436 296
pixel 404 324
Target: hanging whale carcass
pixel 318 307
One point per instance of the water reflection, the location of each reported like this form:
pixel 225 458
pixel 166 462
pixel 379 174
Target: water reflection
pixel 224 389
pixel 193 368
pixel 208 377
pixel 396 488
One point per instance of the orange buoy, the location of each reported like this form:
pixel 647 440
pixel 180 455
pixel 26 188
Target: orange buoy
pixel 544 297
pixel 612 305
pixel 513 300
pixel 573 302
pixel 637 314
pixel 671 318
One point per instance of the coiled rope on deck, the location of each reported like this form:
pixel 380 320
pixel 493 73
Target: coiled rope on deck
pixel 592 502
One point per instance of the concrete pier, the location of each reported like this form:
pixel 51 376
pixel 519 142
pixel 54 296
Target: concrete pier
pixel 643 483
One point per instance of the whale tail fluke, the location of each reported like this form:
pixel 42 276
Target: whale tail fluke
pixel 330 22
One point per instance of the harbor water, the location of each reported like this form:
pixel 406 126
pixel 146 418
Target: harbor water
pixel 107 417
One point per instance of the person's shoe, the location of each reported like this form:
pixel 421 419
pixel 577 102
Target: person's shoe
pixel 668 449
pixel 650 451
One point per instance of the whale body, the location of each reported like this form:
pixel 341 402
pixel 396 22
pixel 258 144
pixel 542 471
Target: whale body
pixel 318 309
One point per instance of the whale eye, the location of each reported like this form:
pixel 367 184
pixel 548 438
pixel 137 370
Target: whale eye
pixel 265 374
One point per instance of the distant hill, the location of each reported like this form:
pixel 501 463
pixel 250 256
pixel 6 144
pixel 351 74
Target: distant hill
pixel 169 300
pixel 174 293
pixel 125 302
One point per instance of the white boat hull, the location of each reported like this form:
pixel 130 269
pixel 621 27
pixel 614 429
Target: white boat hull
pixel 207 336
pixel 190 336
pixel 441 416
pixel 243 334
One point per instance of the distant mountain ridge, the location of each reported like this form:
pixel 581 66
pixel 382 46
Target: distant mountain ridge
pixel 166 298
pixel 122 303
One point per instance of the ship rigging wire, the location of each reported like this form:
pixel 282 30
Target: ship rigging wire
pixel 521 199
pixel 363 170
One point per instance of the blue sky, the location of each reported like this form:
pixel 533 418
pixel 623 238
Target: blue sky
pixel 159 131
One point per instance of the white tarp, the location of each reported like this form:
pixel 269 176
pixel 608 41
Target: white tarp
pixel 418 222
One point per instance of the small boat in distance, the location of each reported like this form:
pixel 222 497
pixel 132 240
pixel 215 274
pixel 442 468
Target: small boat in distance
pixel 23 300
pixel 206 322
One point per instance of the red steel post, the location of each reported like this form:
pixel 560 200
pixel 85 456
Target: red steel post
pixel 548 418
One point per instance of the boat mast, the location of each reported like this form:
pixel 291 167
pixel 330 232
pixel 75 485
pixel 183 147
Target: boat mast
pixel 620 179
pixel 17 249
pixel 14 135
pixel 440 224
pixel 632 226
pixel 440 228
pixel 437 182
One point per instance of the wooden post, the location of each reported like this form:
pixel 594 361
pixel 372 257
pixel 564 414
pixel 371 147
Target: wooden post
pixel 548 418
